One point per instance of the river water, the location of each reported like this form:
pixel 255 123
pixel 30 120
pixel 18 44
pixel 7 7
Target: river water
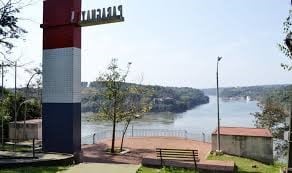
pixel 201 119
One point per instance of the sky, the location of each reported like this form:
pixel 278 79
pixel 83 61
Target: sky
pixel 175 42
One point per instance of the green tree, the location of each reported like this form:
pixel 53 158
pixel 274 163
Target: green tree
pixel 9 23
pixel 4 116
pixel 136 103
pixel 7 109
pixel 33 108
pixel 272 116
pixel 283 46
pixel 113 95
pixel 286 49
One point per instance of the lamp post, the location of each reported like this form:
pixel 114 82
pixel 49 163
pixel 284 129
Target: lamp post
pixel 16 113
pixel 36 72
pixel 15 97
pixel 2 98
pixel 218 113
pixel 288 42
pixel 135 117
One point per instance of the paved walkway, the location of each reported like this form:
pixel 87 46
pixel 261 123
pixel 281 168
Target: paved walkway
pixel 143 149
pixel 139 148
pixel 14 159
pixel 102 167
pixel 40 156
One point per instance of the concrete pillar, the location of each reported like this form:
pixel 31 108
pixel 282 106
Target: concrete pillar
pixel 61 76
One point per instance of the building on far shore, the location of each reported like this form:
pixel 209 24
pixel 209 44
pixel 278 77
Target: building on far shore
pixel 253 143
pixel 84 84
pixel 33 130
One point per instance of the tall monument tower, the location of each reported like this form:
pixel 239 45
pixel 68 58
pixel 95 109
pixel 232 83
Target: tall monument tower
pixel 61 76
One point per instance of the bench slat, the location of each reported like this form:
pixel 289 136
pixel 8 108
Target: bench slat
pixel 167 149
pixel 174 156
pixel 172 153
pixel 181 156
pixel 178 151
pixel 184 160
pixel 182 152
pixel 178 154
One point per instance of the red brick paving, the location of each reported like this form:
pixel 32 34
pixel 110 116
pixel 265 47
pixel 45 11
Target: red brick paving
pixel 139 148
pixel 144 147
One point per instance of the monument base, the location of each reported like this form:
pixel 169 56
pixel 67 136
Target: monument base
pixel 62 127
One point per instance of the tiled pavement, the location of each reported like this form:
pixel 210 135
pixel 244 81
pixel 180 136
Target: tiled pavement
pixel 102 167
pixel 140 147
pixel 145 148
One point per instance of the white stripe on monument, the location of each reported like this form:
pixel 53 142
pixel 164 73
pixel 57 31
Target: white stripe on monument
pixel 61 75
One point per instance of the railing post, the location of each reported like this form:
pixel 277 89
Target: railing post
pixel 93 138
pixel 145 132
pixel 14 143
pixel 33 148
pixel 2 146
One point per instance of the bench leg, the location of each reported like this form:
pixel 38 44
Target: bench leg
pixel 195 160
pixel 161 164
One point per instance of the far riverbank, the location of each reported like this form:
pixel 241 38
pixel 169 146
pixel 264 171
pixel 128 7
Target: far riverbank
pixel 201 119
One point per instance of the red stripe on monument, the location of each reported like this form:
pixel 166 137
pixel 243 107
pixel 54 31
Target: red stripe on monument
pixel 57 31
pixel 62 37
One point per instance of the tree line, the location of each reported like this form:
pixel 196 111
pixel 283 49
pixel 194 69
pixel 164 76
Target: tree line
pixel 254 92
pixel 164 99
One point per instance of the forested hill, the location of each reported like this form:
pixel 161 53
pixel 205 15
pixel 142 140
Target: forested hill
pixel 164 99
pixel 254 92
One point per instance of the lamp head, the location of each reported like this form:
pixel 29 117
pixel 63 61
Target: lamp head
pixel 288 41
pixel 219 58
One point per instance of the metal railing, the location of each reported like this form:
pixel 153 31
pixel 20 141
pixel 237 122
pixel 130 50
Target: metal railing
pixel 107 134
pixel 19 148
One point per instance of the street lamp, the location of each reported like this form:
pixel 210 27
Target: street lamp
pixel 16 113
pixel 288 42
pixel 36 72
pixel 218 114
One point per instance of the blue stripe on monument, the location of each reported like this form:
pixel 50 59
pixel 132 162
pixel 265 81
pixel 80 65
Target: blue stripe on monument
pixel 61 127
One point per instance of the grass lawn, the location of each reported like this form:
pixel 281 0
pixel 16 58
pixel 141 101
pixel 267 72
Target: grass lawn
pixel 34 170
pixel 163 170
pixel 17 148
pixel 245 165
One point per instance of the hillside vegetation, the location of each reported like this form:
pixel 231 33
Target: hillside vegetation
pixel 254 92
pixel 164 99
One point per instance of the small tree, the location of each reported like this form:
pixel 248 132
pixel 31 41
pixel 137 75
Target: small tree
pixel 136 104
pixel 7 109
pixel 286 49
pixel 33 108
pixel 113 95
pixel 272 116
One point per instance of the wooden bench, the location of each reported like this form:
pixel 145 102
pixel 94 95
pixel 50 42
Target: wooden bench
pixel 178 155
